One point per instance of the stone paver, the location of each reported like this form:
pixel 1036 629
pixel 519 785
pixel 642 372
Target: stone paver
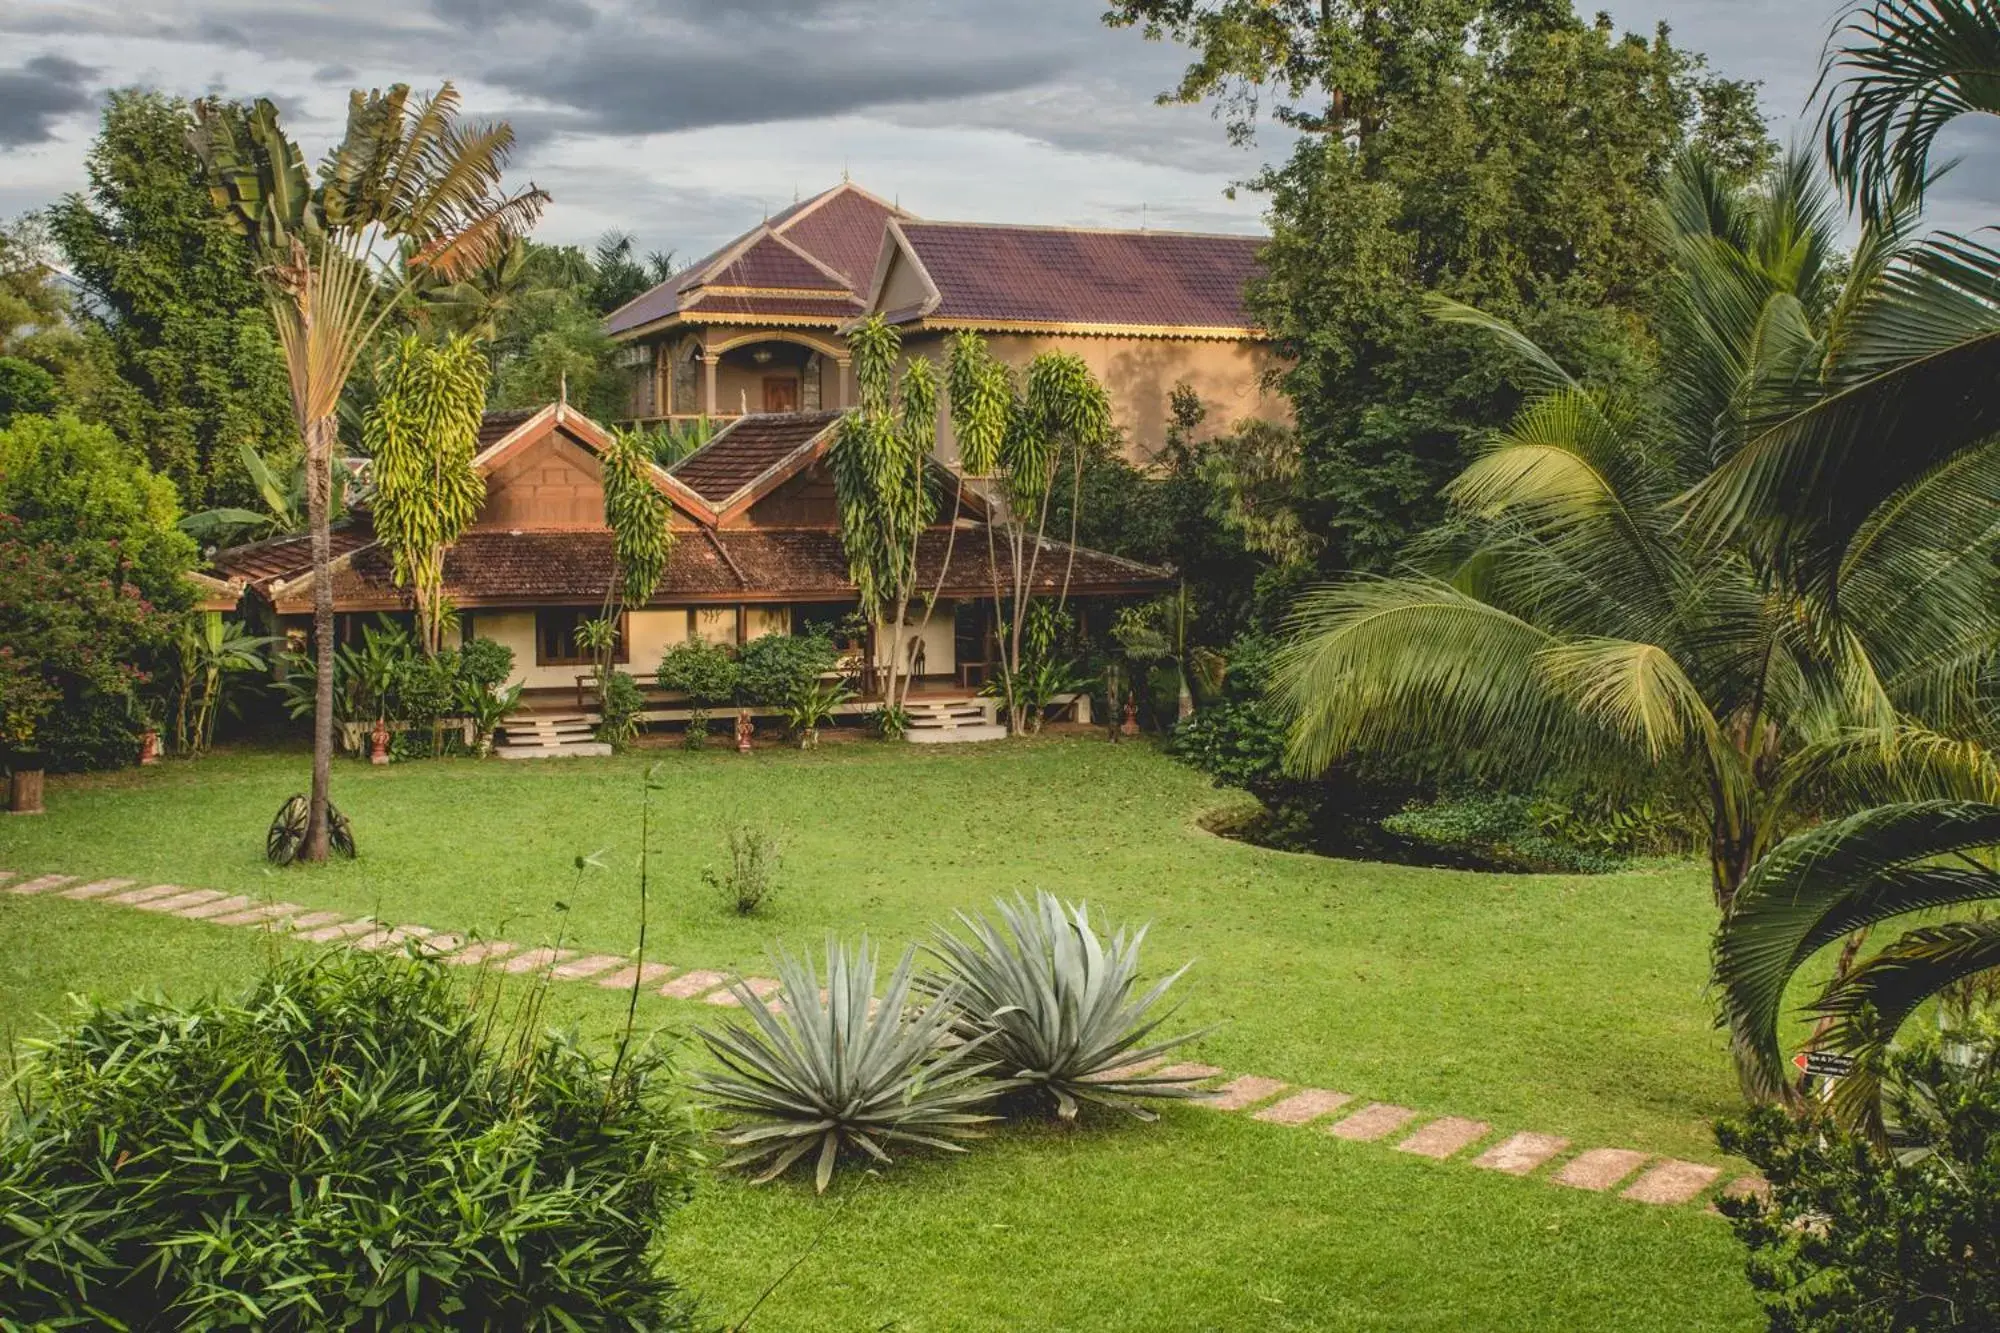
pixel 42 883
pixel 1188 1073
pixel 275 913
pixel 97 888
pixel 146 895
pixel 298 925
pixel 482 951
pixel 1372 1122
pixel 1303 1107
pixel 344 931
pixel 438 943
pixel 761 987
pixel 1600 1168
pixel 578 968
pixel 644 975
pixel 690 984
pixel 534 960
pixel 191 898
pixel 1241 1092
pixel 1521 1154
pixel 6 875
pixel 233 903
pixel 1748 1187
pixel 1443 1137
pixel 389 937
pixel 1672 1181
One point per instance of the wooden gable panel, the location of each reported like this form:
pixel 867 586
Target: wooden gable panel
pixel 552 483
pixel 805 501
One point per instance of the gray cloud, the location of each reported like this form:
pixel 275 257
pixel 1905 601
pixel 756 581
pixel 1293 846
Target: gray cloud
pixel 34 96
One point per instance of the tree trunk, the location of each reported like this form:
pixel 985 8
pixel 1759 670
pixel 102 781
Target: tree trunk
pixel 26 797
pixel 319 489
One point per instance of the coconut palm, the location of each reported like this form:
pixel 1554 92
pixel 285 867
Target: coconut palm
pixel 1841 878
pixel 407 181
pixel 1584 627
pixel 1912 390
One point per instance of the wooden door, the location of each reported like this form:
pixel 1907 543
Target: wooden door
pixel 781 393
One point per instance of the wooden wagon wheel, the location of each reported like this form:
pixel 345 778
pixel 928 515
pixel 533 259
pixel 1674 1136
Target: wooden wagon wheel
pixel 288 831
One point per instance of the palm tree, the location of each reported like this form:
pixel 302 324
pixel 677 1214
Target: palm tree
pixel 1839 879
pixel 1913 391
pixel 402 175
pixel 1585 627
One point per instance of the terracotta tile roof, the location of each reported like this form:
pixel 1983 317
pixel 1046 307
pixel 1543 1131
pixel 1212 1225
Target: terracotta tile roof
pixel 495 568
pixel 1056 275
pixel 284 558
pixel 840 228
pixel 746 449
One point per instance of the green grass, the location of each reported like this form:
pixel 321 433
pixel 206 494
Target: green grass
pixel 1568 1005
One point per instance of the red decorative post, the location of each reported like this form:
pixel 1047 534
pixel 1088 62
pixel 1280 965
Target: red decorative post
pixel 149 746
pixel 745 729
pixel 1130 726
pixel 378 743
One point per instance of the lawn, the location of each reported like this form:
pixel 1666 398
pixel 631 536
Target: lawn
pixel 1573 1006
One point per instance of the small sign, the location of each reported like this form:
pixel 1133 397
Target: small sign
pixel 1823 1064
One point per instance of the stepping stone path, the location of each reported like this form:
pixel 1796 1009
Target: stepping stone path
pixel 1521 1154
pixel 1600 1168
pixel 1303 1107
pixel 1441 1138
pixel 1665 1182
pixel 1372 1122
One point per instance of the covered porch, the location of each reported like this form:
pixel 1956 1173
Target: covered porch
pixel 716 375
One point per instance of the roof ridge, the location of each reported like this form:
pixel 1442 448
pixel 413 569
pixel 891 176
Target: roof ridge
pixel 1092 231
pixel 807 207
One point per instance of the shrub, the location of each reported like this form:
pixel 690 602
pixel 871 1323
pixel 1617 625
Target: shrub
pixel 752 877
pixel 812 708
pixel 621 704
pixel 346 1146
pixel 774 669
pixel 485 663
pixel 1054 1003
pixel 1868 1237
pixel 704 672
pixel 1499 829
pixel 848 1074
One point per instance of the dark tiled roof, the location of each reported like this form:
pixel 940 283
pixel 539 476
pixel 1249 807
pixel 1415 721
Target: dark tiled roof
pixel 497 426
pixel 833 311
pixel 1054 275
pixel 489 567
pixel 285 557
pixel 747 449
pixel 841 228
pixel 772 263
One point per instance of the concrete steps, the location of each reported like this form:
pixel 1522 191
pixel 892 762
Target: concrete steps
pixel 549 736
pixel 952 722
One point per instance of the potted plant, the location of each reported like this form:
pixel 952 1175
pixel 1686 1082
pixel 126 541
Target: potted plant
pixel 811 707
pixel 486 709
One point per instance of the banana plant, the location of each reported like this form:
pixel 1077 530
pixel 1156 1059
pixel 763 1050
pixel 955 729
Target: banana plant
pixel 1820 888
pixel 842 1070
pixel 284 511
pixel 211 650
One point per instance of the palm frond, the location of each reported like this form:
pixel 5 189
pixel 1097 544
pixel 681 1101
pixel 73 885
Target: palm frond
pixel 1538 373
pixel 1636 690
pixel 1896 73
pixel 1816 887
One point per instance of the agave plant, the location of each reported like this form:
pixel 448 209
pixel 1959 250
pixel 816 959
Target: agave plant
pixel 1055 1004
pixel 842 1071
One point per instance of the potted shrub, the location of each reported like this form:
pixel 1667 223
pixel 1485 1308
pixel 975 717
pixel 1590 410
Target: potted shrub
pixel 486 709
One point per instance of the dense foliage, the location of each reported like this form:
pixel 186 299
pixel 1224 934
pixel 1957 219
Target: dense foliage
pixel 174 311
pixel 348 1145
pixel 1868 1236
pixel 1501 153
pixel 774 669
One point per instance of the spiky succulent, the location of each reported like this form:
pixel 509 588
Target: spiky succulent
pixel 1055 1007
pixel 838 1070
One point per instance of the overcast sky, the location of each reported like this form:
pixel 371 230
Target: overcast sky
pixel 684 121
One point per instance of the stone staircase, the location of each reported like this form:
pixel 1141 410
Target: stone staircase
pixel 549 736
pixel 951 721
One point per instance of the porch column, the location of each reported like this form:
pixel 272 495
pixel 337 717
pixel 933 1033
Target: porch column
pixel 708 360
pixel 845 394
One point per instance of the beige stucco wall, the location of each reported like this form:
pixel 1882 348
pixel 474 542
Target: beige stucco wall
pixel 651 633
pixel 940 642
pixel 1140 374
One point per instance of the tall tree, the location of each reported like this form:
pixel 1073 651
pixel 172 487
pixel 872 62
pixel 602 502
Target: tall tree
pixel 400 174
pixel 1502 152
pixel 421 436
pixel 1021 445
pixel 173 301
pixel 880 459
